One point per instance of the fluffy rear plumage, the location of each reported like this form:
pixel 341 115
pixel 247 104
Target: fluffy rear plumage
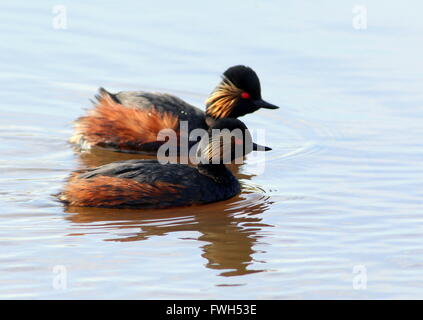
pixel 105 191
pixel 112 125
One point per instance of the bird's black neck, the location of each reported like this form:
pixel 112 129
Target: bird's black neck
pixel 218 172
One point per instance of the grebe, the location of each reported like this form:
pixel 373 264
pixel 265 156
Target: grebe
pixel 129 121
pixel 150 184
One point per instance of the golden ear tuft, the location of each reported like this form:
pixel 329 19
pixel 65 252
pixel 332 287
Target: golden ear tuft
pixel 222 100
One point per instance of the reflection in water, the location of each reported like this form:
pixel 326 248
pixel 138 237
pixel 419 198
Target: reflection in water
pixel 231 228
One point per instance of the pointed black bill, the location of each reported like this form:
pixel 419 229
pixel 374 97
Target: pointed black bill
pixel 257 147
pixel 266 105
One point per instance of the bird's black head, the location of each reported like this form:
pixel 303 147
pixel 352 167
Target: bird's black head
pixel 227 140
pixel 237 94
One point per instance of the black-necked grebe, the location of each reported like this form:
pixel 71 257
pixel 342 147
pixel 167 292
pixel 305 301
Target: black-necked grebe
pixel 150 184
pixel 130 121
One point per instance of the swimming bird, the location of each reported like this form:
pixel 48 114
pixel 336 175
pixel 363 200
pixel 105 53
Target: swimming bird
pixel 130 121
pixel 150 184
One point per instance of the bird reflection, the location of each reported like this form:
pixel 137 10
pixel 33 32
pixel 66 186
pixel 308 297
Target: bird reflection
pixel 230 228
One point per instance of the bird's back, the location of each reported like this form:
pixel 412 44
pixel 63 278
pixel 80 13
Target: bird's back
pixel 163 102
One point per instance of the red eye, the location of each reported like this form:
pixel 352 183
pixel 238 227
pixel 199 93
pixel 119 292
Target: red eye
pixel 245 95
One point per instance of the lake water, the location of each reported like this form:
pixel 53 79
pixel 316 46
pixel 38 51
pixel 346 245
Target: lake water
pixel 336 212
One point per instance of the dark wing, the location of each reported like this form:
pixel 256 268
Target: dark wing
pixel 146 171
pixel 162 102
